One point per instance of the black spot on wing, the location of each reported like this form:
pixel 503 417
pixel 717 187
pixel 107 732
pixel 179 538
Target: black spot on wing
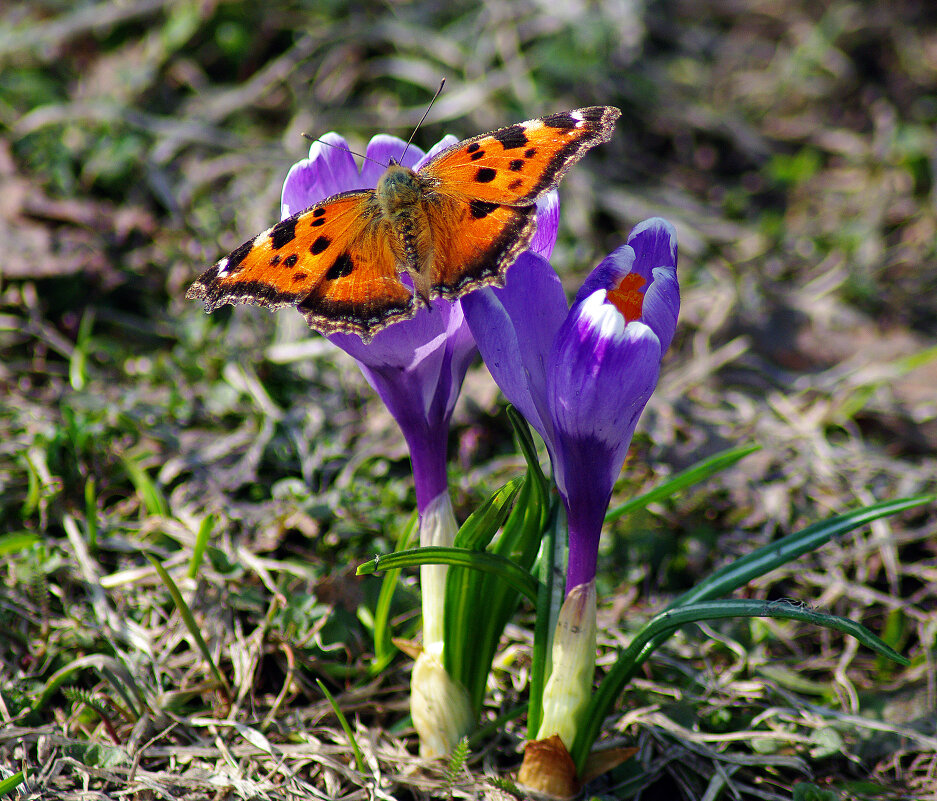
pixel 511 137
pixel 341 267
pixel 485 175
pixel 290 261
pixel 530 152
pixel 237 256
pixel 317 223
pixel 478 154
pixel 594 113
pixel 517 183
pixel 480 208
pixel 472 147
pixel 563 120
pixel 320 245
pixel 318 212
pixel 297 277
pixel 516 165
pixel 275 260
pixel 283 233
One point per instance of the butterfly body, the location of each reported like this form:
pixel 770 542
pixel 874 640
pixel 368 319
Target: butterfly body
pixel 455 224
pixel 407 201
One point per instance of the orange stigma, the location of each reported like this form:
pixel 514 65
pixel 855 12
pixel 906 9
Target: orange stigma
pixel 628 298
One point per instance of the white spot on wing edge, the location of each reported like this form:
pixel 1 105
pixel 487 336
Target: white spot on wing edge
pixel 255 242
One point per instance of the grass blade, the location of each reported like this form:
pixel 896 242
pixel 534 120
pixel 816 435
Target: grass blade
pixel 91 515
pixel 19 541
pixel 515 576
pixel 669 620
pixel 384 650
pixel 108 666
pixel 153 500
pixel 545 621
pixel 359 758
pixel 191 625
pixel 786 549
pixel 7 786
pixel 776 554
pixel 692 475
pixel 78 361
pixel 201 542
pixel 722 582
pixel 481 526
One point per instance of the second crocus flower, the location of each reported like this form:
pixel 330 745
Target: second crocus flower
pixel 581 377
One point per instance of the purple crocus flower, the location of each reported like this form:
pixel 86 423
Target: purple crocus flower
pixel 417 367
pixel 582 376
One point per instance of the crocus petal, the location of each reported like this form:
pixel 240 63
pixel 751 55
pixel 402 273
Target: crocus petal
pixel 654 242
pixel 461 350
pixel 407 393
pixel 548 224
pixel 601 374
pixel 396 345
pixel 609 271
pixel 651 253
pixel 514 328
pixel 330 169
pixel 420 345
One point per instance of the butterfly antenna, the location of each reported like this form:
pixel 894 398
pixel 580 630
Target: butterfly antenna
pixel 345 148
pixel 442 83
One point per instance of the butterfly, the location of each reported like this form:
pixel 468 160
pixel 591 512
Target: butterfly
pixel 452 226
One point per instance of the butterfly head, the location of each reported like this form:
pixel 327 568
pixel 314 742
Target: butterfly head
pixel 399 188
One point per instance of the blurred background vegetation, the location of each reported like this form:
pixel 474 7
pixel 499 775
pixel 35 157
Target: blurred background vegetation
pixel 793 146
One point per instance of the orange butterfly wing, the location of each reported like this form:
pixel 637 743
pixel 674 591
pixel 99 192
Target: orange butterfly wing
pixel 337 262
pixel 483 216
pixel 474 242
pixel 518 164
